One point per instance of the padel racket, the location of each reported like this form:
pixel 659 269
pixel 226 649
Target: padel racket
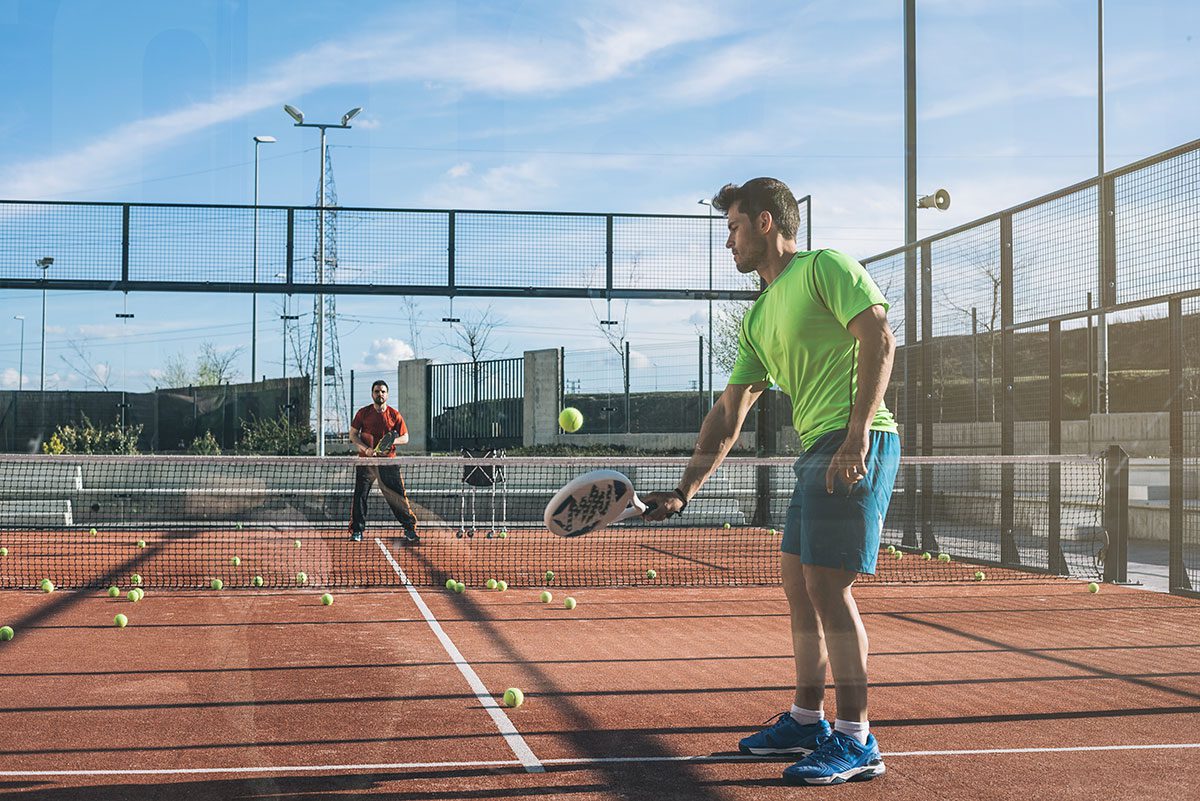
pixel 385 443
pixel 592 501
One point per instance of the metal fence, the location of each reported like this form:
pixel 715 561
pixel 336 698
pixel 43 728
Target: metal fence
pixel 476 405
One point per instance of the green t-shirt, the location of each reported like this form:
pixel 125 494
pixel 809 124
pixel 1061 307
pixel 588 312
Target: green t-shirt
pixel 795 335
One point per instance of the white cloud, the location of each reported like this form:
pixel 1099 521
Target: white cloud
pixel 10 378
pixel 384 354
pixel 459 170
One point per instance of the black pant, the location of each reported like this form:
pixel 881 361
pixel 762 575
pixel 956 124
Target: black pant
pixel 393 492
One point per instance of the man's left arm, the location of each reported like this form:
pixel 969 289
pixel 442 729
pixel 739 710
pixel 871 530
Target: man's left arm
pixel 401 432
pixel 876 349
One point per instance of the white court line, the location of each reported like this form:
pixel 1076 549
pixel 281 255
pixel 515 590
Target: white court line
pixel 511 736
pixel 581 761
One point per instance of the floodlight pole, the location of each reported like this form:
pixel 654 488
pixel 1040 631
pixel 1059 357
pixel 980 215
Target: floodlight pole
pixel 1105 294
pixel 910 183
pixel 258 140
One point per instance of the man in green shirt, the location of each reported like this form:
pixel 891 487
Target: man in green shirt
pixel 819 330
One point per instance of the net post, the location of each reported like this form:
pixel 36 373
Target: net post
pixel 1177 575
pixel 1116 514
pixel 1009 554
pixel 925 505
pixel 700 387
pixel 765 444
pixel 627 409
pixel 1057 561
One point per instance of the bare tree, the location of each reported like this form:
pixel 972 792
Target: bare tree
pixel 414 328
pixel 212 367
pixel 473 336
pixel 84 365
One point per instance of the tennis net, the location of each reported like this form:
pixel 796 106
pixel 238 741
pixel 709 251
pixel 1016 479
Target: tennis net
pixel 180 522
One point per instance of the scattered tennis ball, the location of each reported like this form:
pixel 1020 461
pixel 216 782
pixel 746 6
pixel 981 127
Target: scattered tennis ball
pixel 239 526
pixel 120 621
pixel 141 543
pixel 569 603
pixel 236 561
pixel 257 582
pixel 1093 587
pixel 490 584
pixel 135 579
pixel 546 597
pixel 503 534
pixel 114 591
pixel 133 596
pixel 513 697
pixel 724 525
pixel 898 554
pixel 927 556
pixel 943 557
pixel 92 532
pixel 979 575
pixel 549 576
pixel 502 585
pixel 651 574
pixel 327 599
pixel 141 593
pixel 216 584
pixel 47 585
pixel 6 633
pixel 301 577
pixel 570 419
pixel 297 543
pixel 772 531
pixel 450 584
pixel 459 587
pixel 891 549
pixel 3 552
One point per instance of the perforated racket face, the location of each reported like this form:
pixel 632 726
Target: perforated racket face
pixel 589 502
pixel 385 442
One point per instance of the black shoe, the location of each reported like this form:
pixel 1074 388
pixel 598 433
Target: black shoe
pixel 410 534
pixel 356 536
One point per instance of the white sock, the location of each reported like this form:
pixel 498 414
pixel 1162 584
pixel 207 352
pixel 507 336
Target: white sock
pixel 807 717
pixel 852 728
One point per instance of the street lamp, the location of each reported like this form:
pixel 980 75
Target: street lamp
pixel 21 358
pixel 707 202
pixel 44 263
pixel 258 140
pixel 298 115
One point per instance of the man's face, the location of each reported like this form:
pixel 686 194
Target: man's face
pixel 379 394
pixel 748 246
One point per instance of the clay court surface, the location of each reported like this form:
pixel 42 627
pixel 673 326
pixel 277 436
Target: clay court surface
pixel 1005 689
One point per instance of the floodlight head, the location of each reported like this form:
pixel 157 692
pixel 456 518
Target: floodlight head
pixel 295 113
pixel 20 317
pixel 45 261
pixel 265 140
pixel 351 114
pixel 939 200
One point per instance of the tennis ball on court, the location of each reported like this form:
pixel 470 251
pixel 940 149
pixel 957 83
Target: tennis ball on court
pixel 297 543
pixel 3 552
pixel 979 575
pixel 569 603
pixel 546 597
pixel 327 599
pixel 257 582
pixel 502 585
pixel 570 419
pixel 47 585
pixel 549 576
pixel 459 587
pixel 135 579
pixel 301 577
pixel 141 593
pixel 6 633
pixel 772 531
pixel 927 556
pixel 891 549
pixel 490 584
pixel 141 543
pixel 114 591
pixel 1093 587
pixel 898 554
pixel 503 534
pixel 92 532
pixel 450 584
pixel 120 621
pixel 216 584
pixel 513 697
pixel 943 557
pixel 133 596
pixel 651 574
pixel 236 561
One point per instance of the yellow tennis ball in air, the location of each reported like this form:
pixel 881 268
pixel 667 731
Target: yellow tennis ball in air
pixel 570 419
pixel 943 557
pixel 216 584
pixel 502 585
pixel 490 584
pixel 513 697
pixel 569 603
pixel 257 582
pixel 301 577
pixel 114 591
pixel 979 575
pixel 1093 587
pixel 546 597
pixel 120 621
pixel 6 633
pixel 141 543
pixel 651 574
pixel 327 599
pixel 236 561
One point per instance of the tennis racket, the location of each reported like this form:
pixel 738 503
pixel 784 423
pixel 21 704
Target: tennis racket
pixel 385 443
pixel 592 501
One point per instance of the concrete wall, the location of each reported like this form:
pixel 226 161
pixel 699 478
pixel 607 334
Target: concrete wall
pixel 542 371
pixel 410 396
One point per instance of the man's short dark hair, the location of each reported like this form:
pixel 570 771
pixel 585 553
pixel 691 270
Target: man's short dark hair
pixel 382 383
pixel 762 194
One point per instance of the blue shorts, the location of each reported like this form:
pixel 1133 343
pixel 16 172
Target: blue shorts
pixel 841 530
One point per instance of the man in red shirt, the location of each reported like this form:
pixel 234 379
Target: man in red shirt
pixel 370 424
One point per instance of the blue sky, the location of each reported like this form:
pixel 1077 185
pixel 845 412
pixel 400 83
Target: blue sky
pixel 574 106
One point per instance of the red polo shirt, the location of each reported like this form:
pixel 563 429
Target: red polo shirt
pixel 372 425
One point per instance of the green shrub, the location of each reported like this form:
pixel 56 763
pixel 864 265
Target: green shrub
pixel 275 436
pixel 86 437
pixel 205 445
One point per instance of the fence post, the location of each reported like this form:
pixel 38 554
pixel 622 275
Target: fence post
pixel 1057 562
pixel 1177 575
pixel 925 507
pixel 1116 514
pixel 700 387
pixel 1009 554
pixel 626 383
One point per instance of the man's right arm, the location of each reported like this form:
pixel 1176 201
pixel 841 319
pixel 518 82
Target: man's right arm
pixel 356 441
pixel 718 433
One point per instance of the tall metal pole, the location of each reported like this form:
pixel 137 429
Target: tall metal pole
pixel 710 308
pixel 1101 319
pixel 42 379
pixel 21 358
pixel 254 276
pixel 910 125
pixel 321 308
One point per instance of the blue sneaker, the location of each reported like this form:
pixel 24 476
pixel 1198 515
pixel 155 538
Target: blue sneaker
pixel 356 536
pixel 839 758
pixel 786 736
